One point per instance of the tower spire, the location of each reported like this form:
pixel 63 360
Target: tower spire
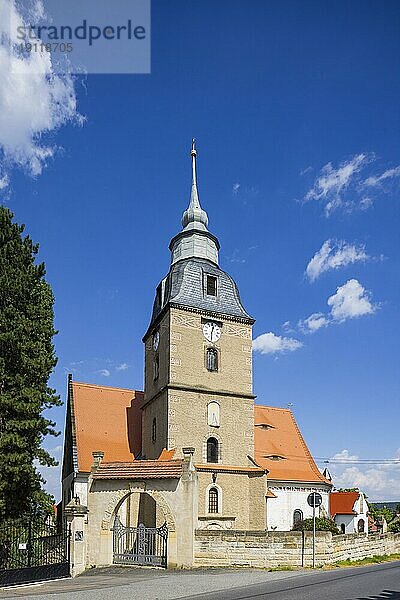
pixel 194 216
pixel 194 197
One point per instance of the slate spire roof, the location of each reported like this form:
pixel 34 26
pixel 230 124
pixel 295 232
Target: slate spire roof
pixel 194 216
pixel 194 256
pixel 194 240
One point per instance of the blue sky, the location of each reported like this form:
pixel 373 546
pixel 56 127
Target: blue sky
pixel 273 92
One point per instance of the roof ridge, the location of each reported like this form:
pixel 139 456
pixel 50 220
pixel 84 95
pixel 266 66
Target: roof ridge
pixel 139 462
pixel 272 407
pixel 109 387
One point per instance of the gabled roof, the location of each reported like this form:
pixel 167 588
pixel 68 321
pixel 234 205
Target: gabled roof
pixel 139 469
pixel 280 448
pixel 104 418
pixel 342 503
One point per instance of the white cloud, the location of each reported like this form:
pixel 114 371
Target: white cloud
pixel 34 101
pixel 379 179
pixel 269 343
pixel 235 189
pixel 334 254
pixel 104 372
pixel 306 170
pixel 4 182
pixel 313 323
pixel 122 367
pixel 351 300
pixel 344 456
pixel 331 183
pixel 380 481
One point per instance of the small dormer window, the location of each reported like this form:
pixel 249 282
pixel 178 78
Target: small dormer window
pixel 274 457
pixel 211 285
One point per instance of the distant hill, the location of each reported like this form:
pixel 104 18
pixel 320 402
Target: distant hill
pixel 391 505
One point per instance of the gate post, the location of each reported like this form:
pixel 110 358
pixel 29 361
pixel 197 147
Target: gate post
pixel 76 522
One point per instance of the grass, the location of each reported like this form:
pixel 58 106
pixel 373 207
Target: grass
pixel 369 560
pixel 284 568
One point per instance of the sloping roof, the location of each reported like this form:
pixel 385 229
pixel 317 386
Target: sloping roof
pixel 280 447
pixel 342 503
pixel 105 418
pixel 139 469
pixel 167 454
pixel 183 287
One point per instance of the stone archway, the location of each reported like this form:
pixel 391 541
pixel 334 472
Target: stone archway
pixel 115 499
pixel 119 496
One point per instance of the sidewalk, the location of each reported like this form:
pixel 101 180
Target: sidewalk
pixel 120 583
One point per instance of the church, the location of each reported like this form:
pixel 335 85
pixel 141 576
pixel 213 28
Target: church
pixel 143 470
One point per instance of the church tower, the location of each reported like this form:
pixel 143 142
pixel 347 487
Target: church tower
pixel 198 370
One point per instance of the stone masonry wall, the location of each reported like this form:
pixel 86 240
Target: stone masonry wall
pixel 266 549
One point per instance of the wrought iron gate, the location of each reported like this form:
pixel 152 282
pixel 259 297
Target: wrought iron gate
pixel 140 545
pixel 31 550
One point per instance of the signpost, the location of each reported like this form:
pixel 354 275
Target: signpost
pixel 314 499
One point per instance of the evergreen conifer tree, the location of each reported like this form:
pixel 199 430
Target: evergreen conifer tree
pixel 27 358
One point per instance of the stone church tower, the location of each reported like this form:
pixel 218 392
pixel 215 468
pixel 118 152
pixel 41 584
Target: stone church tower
pixel 198 376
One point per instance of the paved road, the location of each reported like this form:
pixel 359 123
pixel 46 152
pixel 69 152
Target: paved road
pixel 378 582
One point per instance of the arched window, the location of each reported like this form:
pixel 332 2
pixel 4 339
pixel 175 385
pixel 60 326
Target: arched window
pixel 213 500
pixel 212 359
pixel 212 450
pixel 297 516
pixel 361 526
pixel 343 528
pixel 154 431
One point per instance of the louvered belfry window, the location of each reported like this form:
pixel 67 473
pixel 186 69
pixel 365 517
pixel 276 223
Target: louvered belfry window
pixel 212 450
pixel 212 359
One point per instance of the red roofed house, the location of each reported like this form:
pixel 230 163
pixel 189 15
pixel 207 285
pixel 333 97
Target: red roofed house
pixel 350 511
pixel 192 451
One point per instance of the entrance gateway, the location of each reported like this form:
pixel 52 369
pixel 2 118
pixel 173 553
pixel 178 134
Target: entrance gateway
pixel 140 545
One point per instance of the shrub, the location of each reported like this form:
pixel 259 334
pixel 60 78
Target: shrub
pixel 321 524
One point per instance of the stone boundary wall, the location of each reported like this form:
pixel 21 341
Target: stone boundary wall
pixel 266 549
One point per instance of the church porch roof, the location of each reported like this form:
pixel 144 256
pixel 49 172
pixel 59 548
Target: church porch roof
pixel 140 469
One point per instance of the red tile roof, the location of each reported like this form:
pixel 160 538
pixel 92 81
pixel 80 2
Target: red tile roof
pixel 139 469
pixel 108 419
pixel 280 448
pixel 167 454
pixel 342 503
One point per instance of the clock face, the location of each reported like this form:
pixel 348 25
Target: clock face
pixel 156 340
pixel 212 331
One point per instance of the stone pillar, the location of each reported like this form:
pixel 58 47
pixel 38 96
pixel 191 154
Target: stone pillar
pixel 77 525
pixel 186 519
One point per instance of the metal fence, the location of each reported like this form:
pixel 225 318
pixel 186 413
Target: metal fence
pixel 32 550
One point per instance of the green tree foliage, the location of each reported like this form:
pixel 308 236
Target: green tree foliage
pixel 395 526
pixel 384 511
pixel 27 358
pixel 321 524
